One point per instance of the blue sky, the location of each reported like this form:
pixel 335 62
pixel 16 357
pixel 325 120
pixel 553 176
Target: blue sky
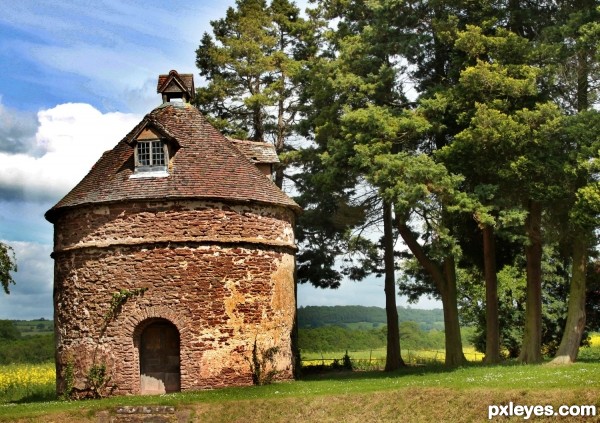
pixel 76 77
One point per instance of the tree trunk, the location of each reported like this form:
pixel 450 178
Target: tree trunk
pixel 571 339
pixel 569 345
pixel 257 116
pixel 454 349
pixel 492 334
pixel 278 177
pixel 280 136
pixel 445 282
pixel 393 360
pixel 583 84
pixel 531 347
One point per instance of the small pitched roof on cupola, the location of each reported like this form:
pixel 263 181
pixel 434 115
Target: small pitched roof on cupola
pixel 176 86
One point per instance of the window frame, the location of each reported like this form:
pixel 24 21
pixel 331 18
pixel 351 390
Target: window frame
pixel 151 168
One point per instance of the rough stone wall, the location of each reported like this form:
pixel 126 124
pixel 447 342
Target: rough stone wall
pixel 222 295
pixel 141 222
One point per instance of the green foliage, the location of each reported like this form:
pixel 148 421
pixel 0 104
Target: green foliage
pixel 511 293
pixel 22 342
pixel 251 63
pixel 8 264
pixel 98 382
pixel 8 331
pixel 28 349
pixel 412 337
pixel 593 296
pixel 119 299
pixel 262 365
pixel 316 316
pixel 69 380
pixel 336 338
pixel 502 121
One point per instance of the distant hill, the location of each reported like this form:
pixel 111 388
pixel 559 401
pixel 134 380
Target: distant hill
pixel 361 317
pixel 34 327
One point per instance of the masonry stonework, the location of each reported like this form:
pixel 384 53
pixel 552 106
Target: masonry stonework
pixel 200 255
pixel 222 296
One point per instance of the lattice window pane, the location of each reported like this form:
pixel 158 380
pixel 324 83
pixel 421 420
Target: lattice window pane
pixel 158 154
pixel 143 154
pixel 151 154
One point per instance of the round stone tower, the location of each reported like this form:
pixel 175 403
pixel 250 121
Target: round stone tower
pixel 174 260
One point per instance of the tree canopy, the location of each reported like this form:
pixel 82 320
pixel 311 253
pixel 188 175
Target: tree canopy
pixel 8 264
pixel 465 133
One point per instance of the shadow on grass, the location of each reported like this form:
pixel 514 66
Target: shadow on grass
pixel 313 373
pixel 328 373
pixel 34 397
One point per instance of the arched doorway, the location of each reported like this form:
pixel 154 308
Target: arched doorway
pixel 159 348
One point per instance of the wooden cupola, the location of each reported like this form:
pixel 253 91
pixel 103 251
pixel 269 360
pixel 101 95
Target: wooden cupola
pixel 175 87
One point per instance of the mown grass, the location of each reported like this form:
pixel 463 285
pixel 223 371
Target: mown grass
pixel 412 394
pixel 419 393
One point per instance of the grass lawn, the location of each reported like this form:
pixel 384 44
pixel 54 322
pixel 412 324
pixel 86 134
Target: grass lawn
pixel 421 393
pixel 415 394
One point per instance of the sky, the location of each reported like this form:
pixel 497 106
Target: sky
pixel 77 76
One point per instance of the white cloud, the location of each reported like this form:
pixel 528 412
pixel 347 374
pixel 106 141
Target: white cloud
pixel 72 138
pixel 31 296
pixel 69 139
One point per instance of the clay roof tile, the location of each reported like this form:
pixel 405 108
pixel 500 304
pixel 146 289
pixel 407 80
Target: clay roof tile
pixel 205 165
pixel 256 151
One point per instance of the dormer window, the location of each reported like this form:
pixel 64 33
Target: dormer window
pixel 151 158
pixel 151 154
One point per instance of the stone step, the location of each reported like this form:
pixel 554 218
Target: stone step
pixel 145 414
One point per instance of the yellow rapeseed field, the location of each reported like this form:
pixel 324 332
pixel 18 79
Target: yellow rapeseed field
pixel 22 380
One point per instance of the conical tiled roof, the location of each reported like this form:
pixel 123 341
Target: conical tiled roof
pixel 206 165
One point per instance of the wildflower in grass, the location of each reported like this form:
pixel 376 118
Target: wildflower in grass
pixel 23 380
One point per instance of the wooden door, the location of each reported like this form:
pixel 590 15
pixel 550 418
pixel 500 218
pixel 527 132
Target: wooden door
pixel 159 359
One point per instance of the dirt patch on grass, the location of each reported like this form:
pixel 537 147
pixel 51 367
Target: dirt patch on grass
pixel 406 405
pixel 401 405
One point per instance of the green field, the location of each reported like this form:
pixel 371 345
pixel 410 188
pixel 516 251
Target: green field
pixel 414 394
pixel 34 327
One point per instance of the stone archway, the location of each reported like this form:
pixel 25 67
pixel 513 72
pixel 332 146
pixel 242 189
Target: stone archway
pixel 159 353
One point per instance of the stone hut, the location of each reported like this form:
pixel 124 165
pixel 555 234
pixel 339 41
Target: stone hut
pixel 174 258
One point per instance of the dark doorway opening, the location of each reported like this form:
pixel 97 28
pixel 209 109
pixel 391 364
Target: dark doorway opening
pixel 159 358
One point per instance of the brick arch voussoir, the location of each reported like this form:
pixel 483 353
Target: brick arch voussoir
pixel 133 325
